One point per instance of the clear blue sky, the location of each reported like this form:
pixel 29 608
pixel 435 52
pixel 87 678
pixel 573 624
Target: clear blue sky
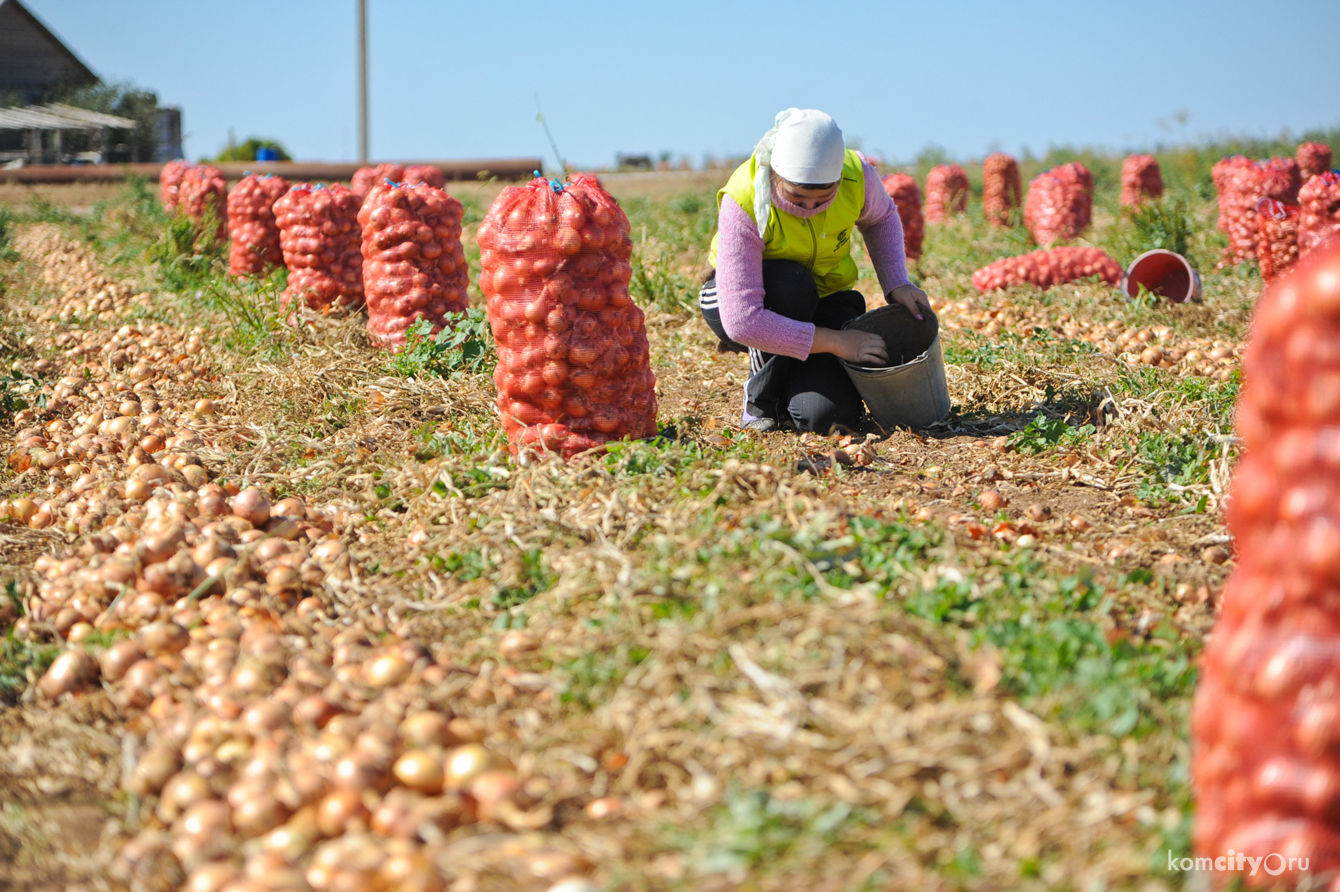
pixel 691 77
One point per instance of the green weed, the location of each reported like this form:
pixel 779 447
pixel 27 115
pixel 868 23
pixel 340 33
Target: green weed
pixel 1043 433
pixel 464 347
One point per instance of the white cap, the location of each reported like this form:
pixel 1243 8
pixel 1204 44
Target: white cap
pixel 808 148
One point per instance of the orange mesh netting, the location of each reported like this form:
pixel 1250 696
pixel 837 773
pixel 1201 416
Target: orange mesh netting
pixel 318 231
pixel 902 188
pixel 413 263
pixel 1047 267
pixel 1266 716
pixel 1059 205
pixel 1001 188
pixel 946 192
pixel 573 361
pixel 251 225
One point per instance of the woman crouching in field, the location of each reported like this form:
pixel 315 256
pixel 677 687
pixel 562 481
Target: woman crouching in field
pixel 781 284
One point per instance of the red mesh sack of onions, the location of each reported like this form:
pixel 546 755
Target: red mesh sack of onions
pixel 1313 158
pixel 1238 182
pixel 1266 717
pixel 1319 216
pixel 1281 179
pixel 413 263
pixel 1001 188
pixel 1047 267
pixel 169 182
pixel 902 188
pixel 251 225
pixel 1141 180
pixel 203 196
pixel 1059 205
pixel 946 192
pixel 366 177
pixel 573 361
pixel 1277 237
pixel 322 244
pixel 426 174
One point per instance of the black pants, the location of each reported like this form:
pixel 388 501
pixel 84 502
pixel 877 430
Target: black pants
pixel 816 394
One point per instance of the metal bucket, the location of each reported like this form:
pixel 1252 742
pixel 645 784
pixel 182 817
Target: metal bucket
pixel 1164 274
pixel 912 392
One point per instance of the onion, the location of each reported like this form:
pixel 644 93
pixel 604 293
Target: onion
pixel 252 505
pixel 72 671
pixel 420 770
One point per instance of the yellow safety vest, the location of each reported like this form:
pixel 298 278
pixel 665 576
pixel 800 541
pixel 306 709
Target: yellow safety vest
pixel 822 242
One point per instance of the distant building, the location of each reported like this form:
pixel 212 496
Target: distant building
pixel 33 61
pixel 36 67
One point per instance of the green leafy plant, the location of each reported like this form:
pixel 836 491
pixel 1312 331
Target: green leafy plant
pixel 1043 433
pixel 463 348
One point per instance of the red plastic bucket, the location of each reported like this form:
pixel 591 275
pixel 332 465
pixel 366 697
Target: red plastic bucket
pixel 1162 273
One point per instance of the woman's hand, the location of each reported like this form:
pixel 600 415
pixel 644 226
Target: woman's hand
pixel 911 297
pixel 857 347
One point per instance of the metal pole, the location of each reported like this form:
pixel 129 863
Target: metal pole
pixel 363 81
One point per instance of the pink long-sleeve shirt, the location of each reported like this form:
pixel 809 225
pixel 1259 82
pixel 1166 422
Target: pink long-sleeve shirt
pixel 740 268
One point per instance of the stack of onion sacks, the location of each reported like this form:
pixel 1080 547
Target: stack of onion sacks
pixel 1141 180
pixel 169 182
pixel 1001 188
pixel 1313 158
pixel 1277 237
pixel 573 361
pixel 1241 185
pixel 1319 219
pixel 322 244
pixel 946 192
pixel 902 188
pixel 1060 203
pixel 413 263
pixel 1266 719
pixel 251 225
pixel 1047 267
pixel 203 196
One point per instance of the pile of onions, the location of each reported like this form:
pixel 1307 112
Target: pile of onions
pixel 1047 267
pixel 1001 188
pixel 1277 237
pixel 1319 216
pixel 322 244
pixel 946 192
pixel 413 263
pixel 169 182
pixel 902 188
pixel 1313 158
pixel 270 743
pixel 1141 180
pixel 251 225
pixel 1059 205
pixel 1265 725
pixel 72 272
pixel 203 196
pixel 573 360
pixel 1155 345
